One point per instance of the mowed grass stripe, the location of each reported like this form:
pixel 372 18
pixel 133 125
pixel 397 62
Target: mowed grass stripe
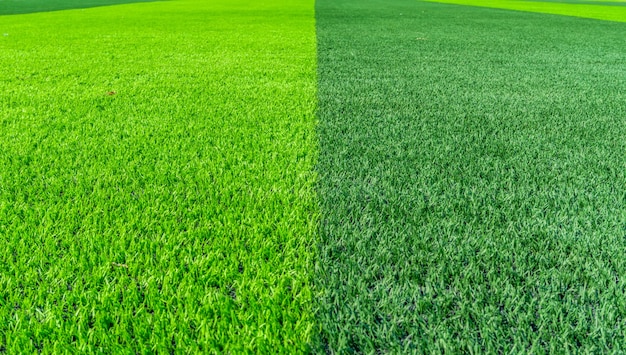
pixel 12 7
pixel 610 10
pixel 157 178
pixel 472 175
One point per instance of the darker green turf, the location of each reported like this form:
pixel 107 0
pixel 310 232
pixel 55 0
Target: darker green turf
pixel 472 180
pixel 12 7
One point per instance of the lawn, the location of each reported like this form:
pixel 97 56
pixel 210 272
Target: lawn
pixel 611 10
pixel 472 175
pixel 10 7
pixel 157 178
pixel 330 176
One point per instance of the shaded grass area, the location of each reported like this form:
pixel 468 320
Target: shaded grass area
pixel 472 175
pixel 12 7
pixel 608 10
pixel 156 178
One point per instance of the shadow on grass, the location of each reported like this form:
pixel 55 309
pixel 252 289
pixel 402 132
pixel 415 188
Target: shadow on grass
pixel 14 7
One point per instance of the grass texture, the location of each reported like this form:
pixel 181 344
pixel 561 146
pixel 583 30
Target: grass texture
pixel 12 7
pixel 157 186
pixel 600 10
pixel 472 175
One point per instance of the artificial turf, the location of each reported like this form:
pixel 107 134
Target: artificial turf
pixel 12 7
pixel 472 175
pixel 157 185
pixel 157 178
pixel 600 10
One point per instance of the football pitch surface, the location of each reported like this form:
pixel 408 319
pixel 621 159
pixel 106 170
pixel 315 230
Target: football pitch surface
pixel 330 176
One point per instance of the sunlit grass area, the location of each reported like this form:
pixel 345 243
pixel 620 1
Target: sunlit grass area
pixel 595 9
pixel 156 178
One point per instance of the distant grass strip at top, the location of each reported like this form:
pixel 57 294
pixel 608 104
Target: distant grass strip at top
pixel 610 3
pixel 608 12
pixel 603 3
pixel 11 7
pixel 156 178
pixel 472 180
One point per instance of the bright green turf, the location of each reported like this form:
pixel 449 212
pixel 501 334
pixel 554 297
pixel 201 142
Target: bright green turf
pixel 28 6
pixel 472 175
pixel 609 10
pixel 156 178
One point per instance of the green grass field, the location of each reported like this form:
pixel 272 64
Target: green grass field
pixel 472 175
pixel 156 178
pixel 612 10
pixel 300 176
pixel 9 7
